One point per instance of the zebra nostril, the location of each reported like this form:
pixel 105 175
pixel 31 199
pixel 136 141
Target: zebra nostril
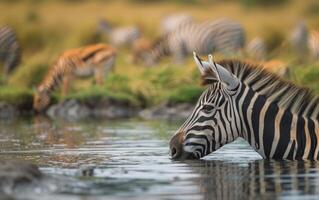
pixel 176 147
pixel 173 152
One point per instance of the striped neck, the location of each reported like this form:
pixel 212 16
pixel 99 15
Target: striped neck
pixel 159 50
pixel 275 132
pixel 52 81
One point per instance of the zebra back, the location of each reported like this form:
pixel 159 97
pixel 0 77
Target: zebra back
pixel 172 22
pixel 10 51
pixel 118 36
pixel 76 59
pixel 124 35
pixel 222 35
pixel 98 58
pixel 257 49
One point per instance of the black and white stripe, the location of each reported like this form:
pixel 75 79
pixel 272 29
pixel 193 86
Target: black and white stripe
pixel 223 35
pixel 257 49
pixel 10 52
pixel 278 119
pixel 299 39
pixel 119 36
pixel 172 22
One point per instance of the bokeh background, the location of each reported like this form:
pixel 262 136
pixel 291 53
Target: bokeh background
pixel 46 28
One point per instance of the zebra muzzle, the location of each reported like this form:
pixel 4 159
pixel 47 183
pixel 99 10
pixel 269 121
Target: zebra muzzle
pixel 176 148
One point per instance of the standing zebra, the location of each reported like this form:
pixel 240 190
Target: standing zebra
pixel 97 59
pixel 139 46
pixel 172 22
pixel 257 49
pixel 313 44
pixel 222 35
pixel 278 119
pixel 121 36
pixel 10 52
pixel 299 39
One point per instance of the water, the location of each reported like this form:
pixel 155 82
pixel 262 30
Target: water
pixel 131 162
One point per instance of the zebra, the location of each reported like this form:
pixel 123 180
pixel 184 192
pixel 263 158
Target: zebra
pixel 257 49
pixel 313 44
pixel 121 36
pixel 222 35
pixel 10 51
pixel 139 46
pixel 299 39
pixel 172 22
pixel 258 179
pixel 278 119
pixel 95 59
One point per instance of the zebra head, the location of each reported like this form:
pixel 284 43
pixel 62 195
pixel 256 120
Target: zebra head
pixel 41 100
pixel 212 123
pixel 150 54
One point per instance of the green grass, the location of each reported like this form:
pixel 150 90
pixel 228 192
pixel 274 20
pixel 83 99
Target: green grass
pixel 16 96
pixel 185 94
pixel 29 74
pixel 45 33
pixel 306 76
pixel 96 93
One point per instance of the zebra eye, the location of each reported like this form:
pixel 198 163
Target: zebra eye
pixel 208 108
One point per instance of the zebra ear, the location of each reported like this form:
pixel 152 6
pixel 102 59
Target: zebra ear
pixel 205 70
pixel 213 71
pixel 223 75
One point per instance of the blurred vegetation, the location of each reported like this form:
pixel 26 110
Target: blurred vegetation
pixel 185 94
pixel 250 3
pixel 312 9
pixel 46 28
pixel 273 38
pixel 306 75
pixel 16 96
pixel 30 74
pixel 94 94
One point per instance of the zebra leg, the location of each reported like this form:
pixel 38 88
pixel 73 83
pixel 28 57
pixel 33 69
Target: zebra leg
pixel 99 74
pixel 179 53
pixel 10 62
pixel 6 67
pixel 66 84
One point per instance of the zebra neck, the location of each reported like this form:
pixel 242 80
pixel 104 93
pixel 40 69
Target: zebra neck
pixel 275 132
pixel 53 80
pixel 159 49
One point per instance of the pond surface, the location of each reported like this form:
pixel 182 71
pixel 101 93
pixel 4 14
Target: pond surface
pixel 131 162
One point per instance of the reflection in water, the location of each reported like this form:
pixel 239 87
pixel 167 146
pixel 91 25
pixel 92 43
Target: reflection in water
pixel 257 179
pixel 131 160
pixel 51 134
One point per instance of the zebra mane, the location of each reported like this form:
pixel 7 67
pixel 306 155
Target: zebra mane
pixel 286 95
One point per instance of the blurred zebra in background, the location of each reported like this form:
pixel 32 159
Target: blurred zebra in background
pixel 257 49
pixel 121 36
pixel 313 44
pixel 139 46
pixel 223 35
pixel 97 59
pixel 10 51
pixel 299 39
pixel 172 22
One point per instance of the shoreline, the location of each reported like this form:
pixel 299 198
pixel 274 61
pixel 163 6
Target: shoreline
pixel 103 108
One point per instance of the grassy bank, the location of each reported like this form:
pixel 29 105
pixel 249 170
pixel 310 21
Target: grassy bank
pixel 47 28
